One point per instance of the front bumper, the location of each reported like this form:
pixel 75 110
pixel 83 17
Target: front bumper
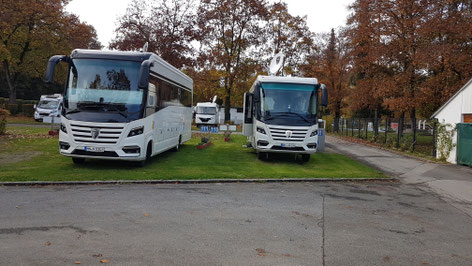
pixel 126 148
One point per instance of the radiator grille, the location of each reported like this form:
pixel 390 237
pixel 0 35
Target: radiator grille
pixel 106 134
pixel 280 133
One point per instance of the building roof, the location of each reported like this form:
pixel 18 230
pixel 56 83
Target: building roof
pixel 452 98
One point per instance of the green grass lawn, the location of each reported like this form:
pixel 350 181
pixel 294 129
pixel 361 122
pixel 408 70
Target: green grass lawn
pixel 36 158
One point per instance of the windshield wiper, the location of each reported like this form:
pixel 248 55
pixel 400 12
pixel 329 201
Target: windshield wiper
pixel 103 106
pixel 117 110
pixel 289 113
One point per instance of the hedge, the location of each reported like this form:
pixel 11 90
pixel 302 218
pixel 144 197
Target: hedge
pixel 25 107
pixel 3 121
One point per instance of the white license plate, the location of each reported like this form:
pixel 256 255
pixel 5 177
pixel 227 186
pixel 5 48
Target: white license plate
pixel 287 145
pixel 94 149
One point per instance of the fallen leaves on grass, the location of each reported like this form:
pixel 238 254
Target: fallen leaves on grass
pixel 13 136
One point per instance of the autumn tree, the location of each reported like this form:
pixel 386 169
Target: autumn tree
pixel 410 56
pixel 447 59
pixel 230 29
pixel 331 65
pixel 368 73
pixel 289 34
pixel 32 31
pixel 167 26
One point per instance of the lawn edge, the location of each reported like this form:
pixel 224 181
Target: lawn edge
pixel 193 181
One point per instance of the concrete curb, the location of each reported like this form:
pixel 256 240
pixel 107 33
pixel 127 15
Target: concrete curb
pixel 201 181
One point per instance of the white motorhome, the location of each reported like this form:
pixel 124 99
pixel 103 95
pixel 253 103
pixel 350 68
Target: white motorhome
pixel 48 105
pixel 122 105
pixel 207 113
pixel 281 115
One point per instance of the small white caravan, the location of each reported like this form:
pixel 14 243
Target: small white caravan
pixel 207 113
pixel 48 105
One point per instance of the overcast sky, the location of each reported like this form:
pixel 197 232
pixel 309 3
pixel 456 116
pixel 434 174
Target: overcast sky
pixel 322 15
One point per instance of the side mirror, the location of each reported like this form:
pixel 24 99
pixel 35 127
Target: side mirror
pixel 144 74
pixel 49 76
pixel 324 95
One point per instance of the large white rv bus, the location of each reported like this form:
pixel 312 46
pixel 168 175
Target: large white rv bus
pixel 281 115
pixel 122 105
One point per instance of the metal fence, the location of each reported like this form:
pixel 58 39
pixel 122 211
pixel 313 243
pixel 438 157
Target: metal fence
pixel 405 134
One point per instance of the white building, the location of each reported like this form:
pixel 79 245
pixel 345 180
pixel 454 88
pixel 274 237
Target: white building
pixel 458 109
pixel 236 115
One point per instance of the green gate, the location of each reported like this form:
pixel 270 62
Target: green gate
pixel 464 143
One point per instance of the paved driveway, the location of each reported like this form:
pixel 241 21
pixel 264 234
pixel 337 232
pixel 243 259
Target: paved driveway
pixel 372 223
pixel 453 183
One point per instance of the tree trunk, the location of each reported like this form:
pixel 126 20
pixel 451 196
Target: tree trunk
pixel 413 127
pixel 227 108
pixel 11 88
pixel 376 122
pixel 336 121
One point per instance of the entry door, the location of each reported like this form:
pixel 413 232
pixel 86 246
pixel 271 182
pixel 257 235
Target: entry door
pixel 248 109
pixel 464 144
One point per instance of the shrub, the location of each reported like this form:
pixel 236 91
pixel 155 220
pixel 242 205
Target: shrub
pixel 28 110
pixel 391 140
pixel 12 108
pixel 406 143
pixel 445 140
pixel 3 120
pixel 329 121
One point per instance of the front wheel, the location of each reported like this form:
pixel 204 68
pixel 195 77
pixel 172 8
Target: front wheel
pixel 305 158
pixel 263 155
pixel 78 160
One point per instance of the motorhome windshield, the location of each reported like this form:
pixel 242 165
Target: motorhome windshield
pixel 44 104
pixel 294 101
pixel 104 86
pixel 206 110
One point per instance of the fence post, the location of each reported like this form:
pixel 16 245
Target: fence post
pixel 398 133
pixel 434 138
pixel 386 130
pixel 359 128
pixel 352 127
pixel 414 133
pixel 366 123
pixel 342 126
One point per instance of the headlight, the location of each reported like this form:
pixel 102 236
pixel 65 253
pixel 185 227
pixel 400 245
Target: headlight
pixel 136 131
pixel 63 128
pixel 261 130
pixel 314 133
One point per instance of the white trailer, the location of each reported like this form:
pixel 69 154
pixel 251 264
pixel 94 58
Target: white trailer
pixel 281 115
pixel 48 105
pixel 122 105
pixel 207 113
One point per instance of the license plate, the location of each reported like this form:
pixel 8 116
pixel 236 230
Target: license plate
pixel 287 145
pixel 94 149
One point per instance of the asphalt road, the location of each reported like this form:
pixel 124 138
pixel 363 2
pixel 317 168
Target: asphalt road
pixel 369 223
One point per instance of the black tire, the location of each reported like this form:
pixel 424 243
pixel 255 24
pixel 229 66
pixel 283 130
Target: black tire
pixel 149 150
pixel 263 156
pixel 78 160
pixel 305 158
pixel 141 163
